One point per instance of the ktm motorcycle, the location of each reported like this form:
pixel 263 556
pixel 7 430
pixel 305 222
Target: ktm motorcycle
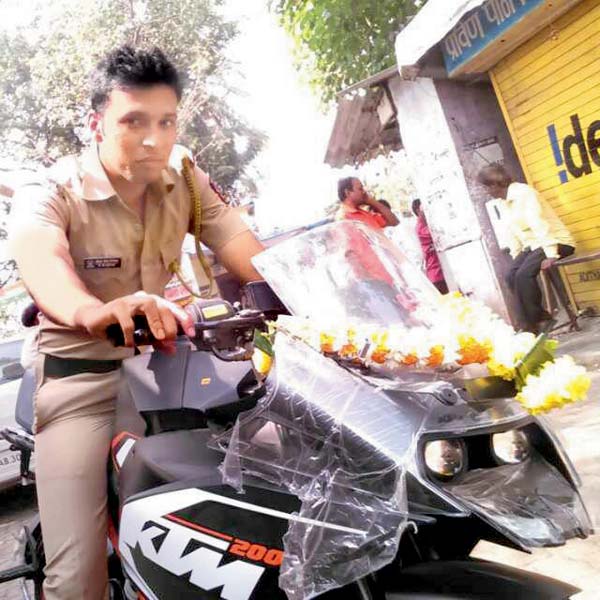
pixel 322 479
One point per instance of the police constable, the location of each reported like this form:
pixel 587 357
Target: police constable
pixel 93 244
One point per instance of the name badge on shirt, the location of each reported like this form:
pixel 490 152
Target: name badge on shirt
pixel 102 262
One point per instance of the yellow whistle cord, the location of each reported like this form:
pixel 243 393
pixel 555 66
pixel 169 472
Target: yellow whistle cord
pixel 174 267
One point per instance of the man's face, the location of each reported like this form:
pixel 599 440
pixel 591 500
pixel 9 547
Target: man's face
pixel 496 186
pixel 495 190
pixel 136 132
pixel 356 195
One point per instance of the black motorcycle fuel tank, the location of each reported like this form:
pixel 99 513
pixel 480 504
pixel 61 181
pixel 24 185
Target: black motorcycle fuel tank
pixel 162 414
pixel 187 380
pixel 210 543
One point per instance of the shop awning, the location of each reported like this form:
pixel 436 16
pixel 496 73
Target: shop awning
pixel 358 133
pixel 472 35
pixel 428 27
pixel 363 126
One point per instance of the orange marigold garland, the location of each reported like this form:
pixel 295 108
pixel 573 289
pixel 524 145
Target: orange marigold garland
pixel 436 357
pixel 472 351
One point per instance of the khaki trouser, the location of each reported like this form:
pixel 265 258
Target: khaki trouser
pixel 74 418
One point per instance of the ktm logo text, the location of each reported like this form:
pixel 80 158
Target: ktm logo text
pixel 166 544
pixel 578 150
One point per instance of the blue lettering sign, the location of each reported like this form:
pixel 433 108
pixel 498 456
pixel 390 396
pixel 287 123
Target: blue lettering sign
pixel 482 26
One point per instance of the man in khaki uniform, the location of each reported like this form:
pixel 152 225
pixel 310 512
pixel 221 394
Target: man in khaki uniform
pixel 93 243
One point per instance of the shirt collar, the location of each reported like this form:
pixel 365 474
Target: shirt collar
pixel 97 186
pixel 347 209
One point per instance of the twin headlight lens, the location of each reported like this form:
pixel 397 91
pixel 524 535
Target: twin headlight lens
pixel 446 459
pixel 511 447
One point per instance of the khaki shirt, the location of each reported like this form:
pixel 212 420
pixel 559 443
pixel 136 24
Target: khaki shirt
pixel 532 222
pixel 114 252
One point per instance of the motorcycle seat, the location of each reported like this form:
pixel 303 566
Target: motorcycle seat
pixel 169 457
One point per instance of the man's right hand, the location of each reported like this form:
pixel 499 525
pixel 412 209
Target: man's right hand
pixel 162 315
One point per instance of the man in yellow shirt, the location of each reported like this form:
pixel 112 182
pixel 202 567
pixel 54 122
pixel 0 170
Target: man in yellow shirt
pixel 538 238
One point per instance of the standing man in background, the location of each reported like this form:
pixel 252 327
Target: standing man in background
pixel 357 205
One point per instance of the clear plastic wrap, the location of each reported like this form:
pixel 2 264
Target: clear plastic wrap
pixel 344 443
pixel 530 502
pixel 340 445
pixel 349 438
pixel 575 431
pixel 351 274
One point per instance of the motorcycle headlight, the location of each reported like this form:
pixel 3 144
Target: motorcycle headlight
pixel 511 447
pixel 445 458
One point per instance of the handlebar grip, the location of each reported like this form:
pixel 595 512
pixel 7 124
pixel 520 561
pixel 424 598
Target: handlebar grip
pixel 141 333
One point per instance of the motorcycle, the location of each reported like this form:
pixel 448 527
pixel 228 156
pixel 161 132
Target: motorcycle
pixel 11 373
pixel 322 479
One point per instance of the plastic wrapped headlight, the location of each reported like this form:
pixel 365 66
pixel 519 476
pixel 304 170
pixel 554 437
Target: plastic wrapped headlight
pixel 511 447
pixel 445 458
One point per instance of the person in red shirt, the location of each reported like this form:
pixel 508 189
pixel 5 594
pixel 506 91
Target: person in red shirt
pixel 357 205
pixel 433 267
pixel 371 289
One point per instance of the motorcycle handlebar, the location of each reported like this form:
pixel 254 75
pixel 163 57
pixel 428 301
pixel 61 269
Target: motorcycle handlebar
pixel 142 335
pixel 220 334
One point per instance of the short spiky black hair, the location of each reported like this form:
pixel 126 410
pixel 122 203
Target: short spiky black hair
pixel 127 67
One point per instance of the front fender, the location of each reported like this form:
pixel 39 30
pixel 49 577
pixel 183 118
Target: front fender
pixel 472 578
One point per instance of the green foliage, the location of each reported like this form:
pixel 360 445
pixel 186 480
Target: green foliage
pixel 542 352
pixel 264 341
pixel 341 42
pixel 45 66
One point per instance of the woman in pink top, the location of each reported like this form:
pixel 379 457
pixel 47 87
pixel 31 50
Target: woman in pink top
pixel 433 267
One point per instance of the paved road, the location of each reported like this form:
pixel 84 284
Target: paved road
pixel 17 507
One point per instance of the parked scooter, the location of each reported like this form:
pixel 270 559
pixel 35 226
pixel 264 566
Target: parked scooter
pixel 467 467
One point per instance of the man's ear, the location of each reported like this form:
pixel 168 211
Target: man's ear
pixel 95 125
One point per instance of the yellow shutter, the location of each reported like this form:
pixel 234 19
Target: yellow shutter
pixel 541 86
